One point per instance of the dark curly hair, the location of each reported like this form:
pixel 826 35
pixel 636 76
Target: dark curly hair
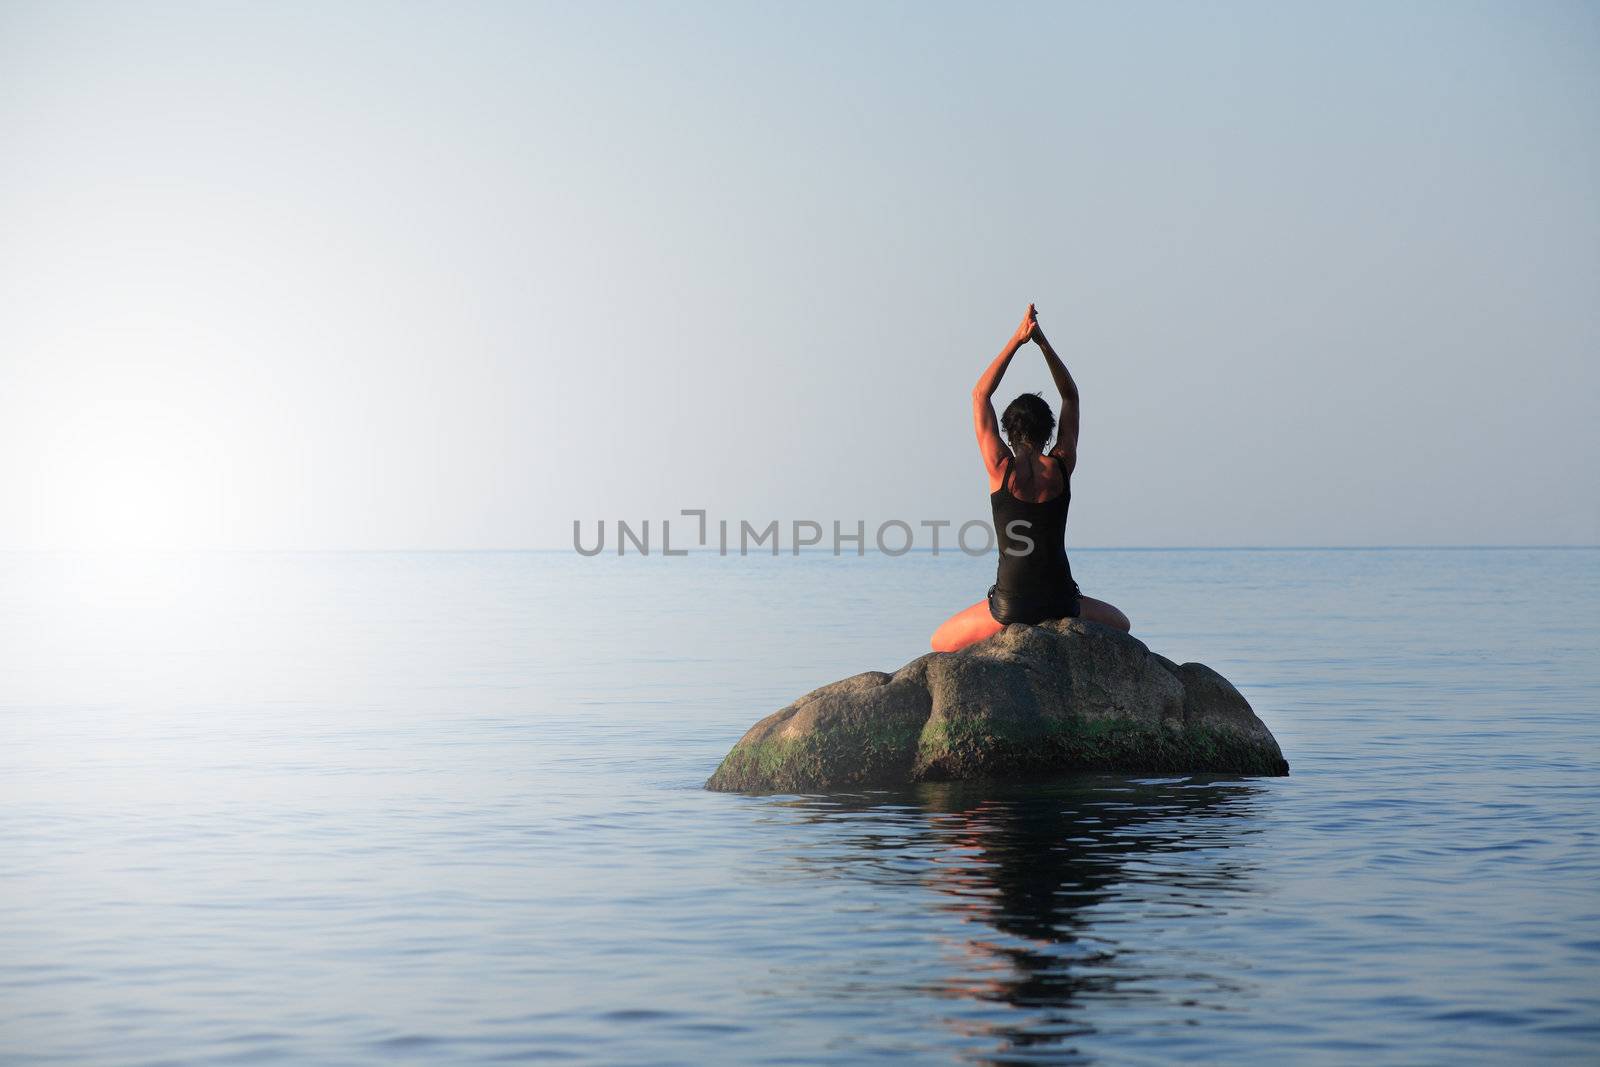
pixel 1028 420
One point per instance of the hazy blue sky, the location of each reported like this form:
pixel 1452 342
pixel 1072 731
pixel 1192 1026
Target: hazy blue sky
pixel 393 275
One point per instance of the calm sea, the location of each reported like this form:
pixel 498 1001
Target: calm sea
pixel 446 808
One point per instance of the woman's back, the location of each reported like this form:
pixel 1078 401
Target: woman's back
pixel 1030 521
pixel 1032 477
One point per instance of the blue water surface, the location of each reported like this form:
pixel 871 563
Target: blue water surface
pixel 446 808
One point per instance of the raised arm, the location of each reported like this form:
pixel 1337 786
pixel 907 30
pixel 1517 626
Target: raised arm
pixel 1066 448
pixel 984 422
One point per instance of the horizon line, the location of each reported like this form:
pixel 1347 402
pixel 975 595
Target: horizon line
pixel 809 551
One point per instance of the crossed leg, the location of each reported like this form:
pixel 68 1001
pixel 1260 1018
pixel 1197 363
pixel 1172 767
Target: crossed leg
pixel 965 627
pixel 971 625
pixel 1099 611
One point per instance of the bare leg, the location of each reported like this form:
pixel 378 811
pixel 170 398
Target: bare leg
pixel 965 627
pixel 1093 610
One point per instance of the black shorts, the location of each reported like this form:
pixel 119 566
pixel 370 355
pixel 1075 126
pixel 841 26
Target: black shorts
pixel 1010 607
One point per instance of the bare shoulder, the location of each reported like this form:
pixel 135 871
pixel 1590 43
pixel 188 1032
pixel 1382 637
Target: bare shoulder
pixel 1066 461
pixel 999 470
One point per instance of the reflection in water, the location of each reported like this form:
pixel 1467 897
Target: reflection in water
pixel 1045 872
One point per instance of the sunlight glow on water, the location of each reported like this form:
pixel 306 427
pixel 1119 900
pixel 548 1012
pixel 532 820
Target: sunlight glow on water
pixel 433 807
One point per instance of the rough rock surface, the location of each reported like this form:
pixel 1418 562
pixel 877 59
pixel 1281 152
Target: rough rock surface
pixel 1065 695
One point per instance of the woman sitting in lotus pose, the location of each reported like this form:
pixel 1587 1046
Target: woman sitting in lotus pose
pixel 1029 490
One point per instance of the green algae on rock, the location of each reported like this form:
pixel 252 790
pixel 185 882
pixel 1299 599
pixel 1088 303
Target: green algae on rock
pixel 1066 695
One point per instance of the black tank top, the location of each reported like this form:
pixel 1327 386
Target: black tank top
pixel 1039 569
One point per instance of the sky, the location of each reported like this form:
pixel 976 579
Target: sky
pixel 404 275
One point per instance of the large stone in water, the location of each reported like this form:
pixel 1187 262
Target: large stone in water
pixel 1066 695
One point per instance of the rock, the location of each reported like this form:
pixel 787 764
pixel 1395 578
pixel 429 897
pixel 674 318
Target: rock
pixel 1065 695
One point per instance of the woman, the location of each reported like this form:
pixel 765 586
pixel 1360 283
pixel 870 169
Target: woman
pixel 1029 490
